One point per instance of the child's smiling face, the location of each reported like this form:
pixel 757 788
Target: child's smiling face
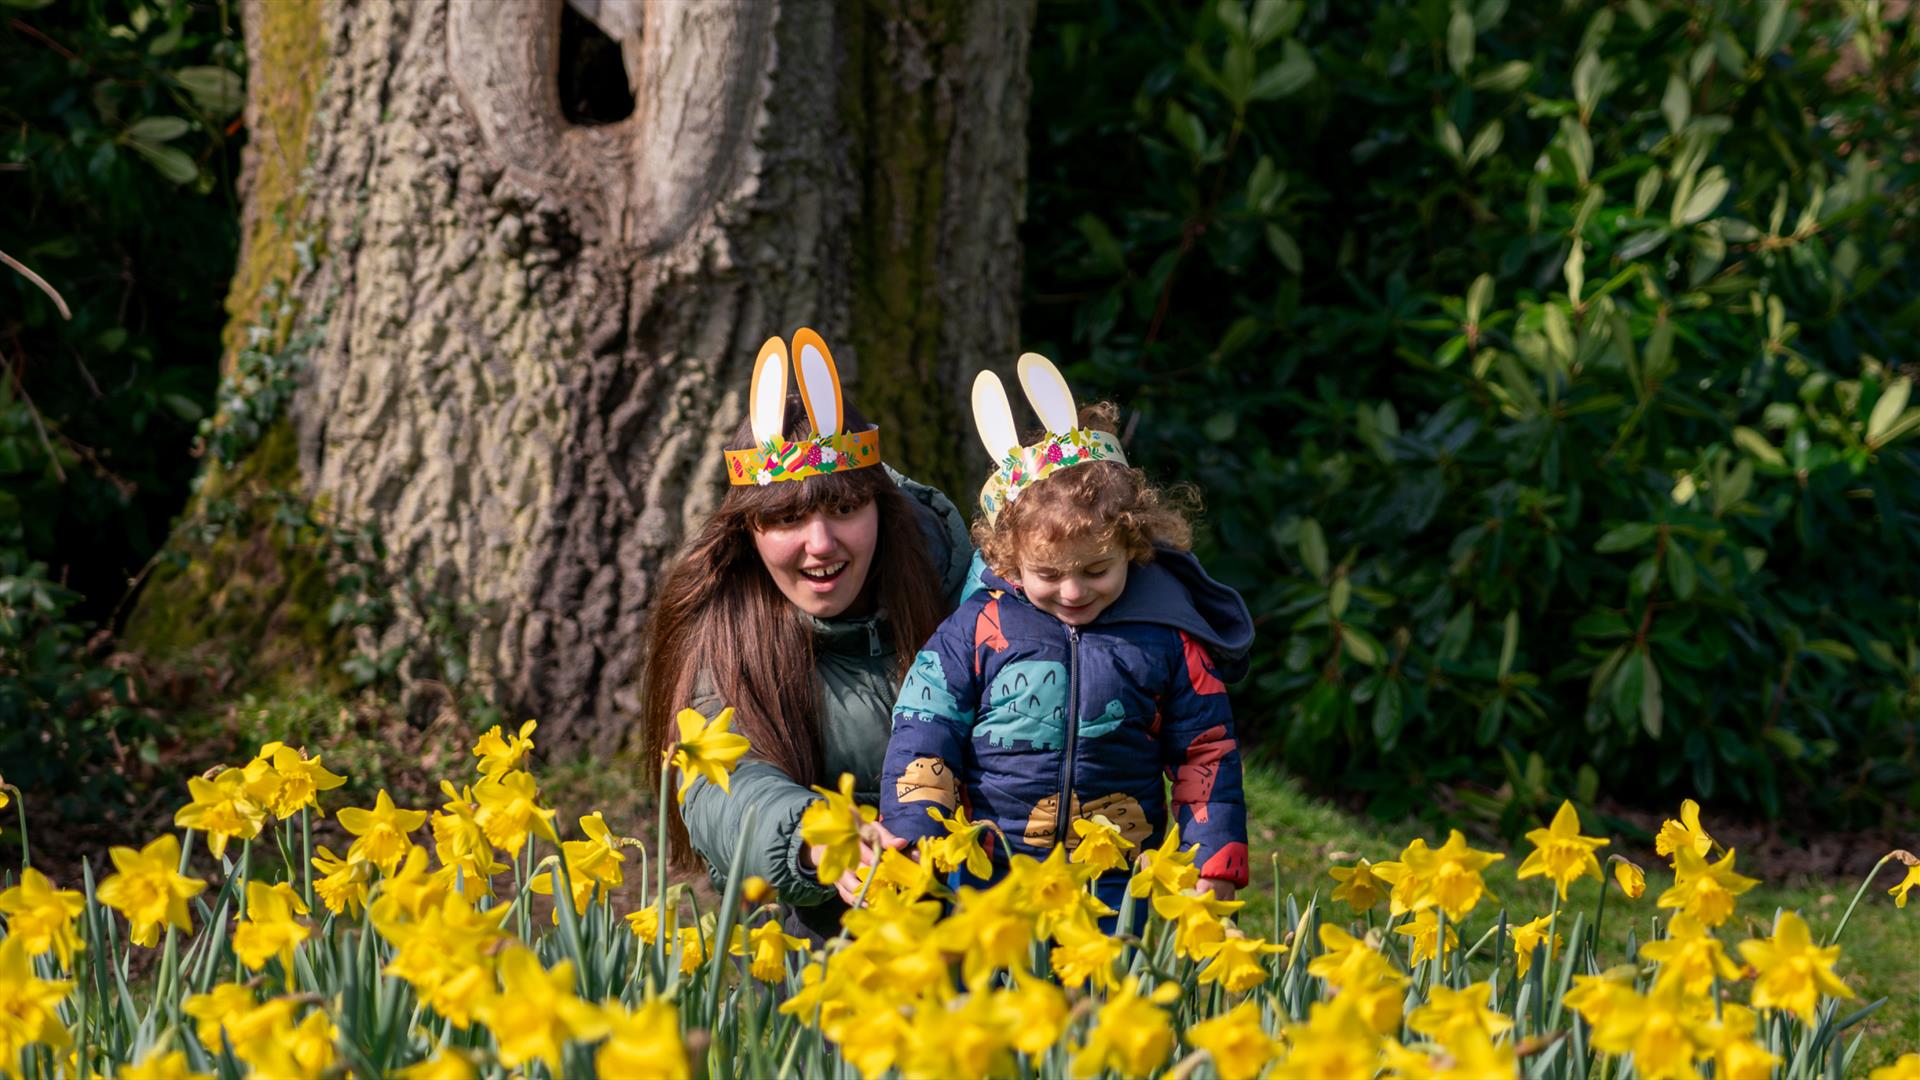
pixel 1081 580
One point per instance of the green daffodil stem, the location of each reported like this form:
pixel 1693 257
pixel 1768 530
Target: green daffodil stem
pixel 20 806
pixel 1599 913
pixel 660 869
pixel 1857 894
pixel 306 855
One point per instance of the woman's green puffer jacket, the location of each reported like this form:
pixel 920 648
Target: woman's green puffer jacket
pixel 854 662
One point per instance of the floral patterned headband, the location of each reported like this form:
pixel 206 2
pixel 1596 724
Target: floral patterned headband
pixel 774 457
pixel 1065 445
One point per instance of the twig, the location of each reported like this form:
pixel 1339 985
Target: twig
pixel 33 32
pixel 58 301
pixel 53 457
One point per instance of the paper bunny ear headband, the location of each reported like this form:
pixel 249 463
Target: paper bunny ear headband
pixel 830 450
pixel 1065 445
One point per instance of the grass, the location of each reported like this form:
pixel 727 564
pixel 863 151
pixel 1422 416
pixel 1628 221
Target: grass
pixel 1297 837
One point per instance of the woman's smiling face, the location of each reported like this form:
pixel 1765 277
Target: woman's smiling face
pixel 821 561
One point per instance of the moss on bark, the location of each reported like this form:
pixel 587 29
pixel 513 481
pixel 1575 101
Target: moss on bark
pixel 235 583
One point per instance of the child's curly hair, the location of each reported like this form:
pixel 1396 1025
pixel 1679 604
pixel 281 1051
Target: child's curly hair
pixel 1102 501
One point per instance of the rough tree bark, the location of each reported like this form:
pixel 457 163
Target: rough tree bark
pixel 533 334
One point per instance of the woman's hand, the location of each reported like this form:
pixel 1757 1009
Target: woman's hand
pixel 1221 888
pixel 874 838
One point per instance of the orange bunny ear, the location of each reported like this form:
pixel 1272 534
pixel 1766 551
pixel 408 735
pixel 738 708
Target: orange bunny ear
pixel 767 410
pixel 993 417
pixel 819 382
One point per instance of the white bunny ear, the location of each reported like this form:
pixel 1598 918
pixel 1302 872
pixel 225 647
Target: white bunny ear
pixel 1047 391
pixel 993 416
pixel 819 382
pixel 768 407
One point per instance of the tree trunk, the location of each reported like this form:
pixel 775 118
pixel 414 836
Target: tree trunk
pixel 532 335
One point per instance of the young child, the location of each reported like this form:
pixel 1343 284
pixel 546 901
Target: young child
pixel 1087 667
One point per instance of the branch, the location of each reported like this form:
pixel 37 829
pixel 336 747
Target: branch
pixel 58 301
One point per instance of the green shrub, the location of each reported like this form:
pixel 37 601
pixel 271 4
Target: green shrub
pixel 1547 369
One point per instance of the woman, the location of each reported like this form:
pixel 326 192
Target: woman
pixel 800 604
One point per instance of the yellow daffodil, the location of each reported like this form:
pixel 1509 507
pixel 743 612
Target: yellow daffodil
pixel 216 1009
pixel 879 1041
pixel 41 916
pixel 1358 888
pixel 756 890
pixel 1099 843
pixel 29 1005
pixel 510 811
pixel 5 799
pixel 157 1065
pixel 1561 853
pixel 343 883
pixel 645 923
pixel 1527 937
pixel 1655 1029
pixel 692 948
pixel 1729 1039
pixel 1685 833
pixel 446 954
pixel 501 754
pixel 989 930
pixel 834 823
pixel 1235 1041
pixel 309 1046
pixel 1598 997
pixel 1424 929
pixel 1447 1009
pixel 1234 962
pixel 382 833
pixel 283 780
pixel 222 809
pixel 904 875
pixel 1379 1005
pixel 1054 890
pixel 707 748
pixel 1398 873
pixel 644 1042
pixel 272 926
pixel 1348 963
pixel 1083 954
pixel 461 844
pixel 1449 875
pixel 770 946
pixel 1336 1040
pixel 1906 885
pixel 961 846
pixel 1034 1011
pixel 1905 1067
pixel 536 1013
pixel 1691 954
pixel 1131 1032
pixel 1196 920
pixel 1702 890
pixel 593 865
pixel 149 889
pixel 1632 879
pixel 1472 1054
pixel 1166 869
pixel 965 1037
pixel 1794 972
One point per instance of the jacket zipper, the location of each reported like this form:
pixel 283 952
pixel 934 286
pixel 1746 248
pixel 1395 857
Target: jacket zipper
pixel 1062 828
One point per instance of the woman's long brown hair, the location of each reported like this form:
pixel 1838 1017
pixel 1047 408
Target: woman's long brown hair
pixel 719 610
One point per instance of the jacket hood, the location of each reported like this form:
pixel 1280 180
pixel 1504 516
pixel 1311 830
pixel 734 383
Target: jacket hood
pixel 1175 590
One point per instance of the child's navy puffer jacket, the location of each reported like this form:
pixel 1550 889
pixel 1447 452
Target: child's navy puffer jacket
pixel 1007 709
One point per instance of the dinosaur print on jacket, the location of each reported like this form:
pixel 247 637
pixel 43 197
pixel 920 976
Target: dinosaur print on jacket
pixel 1027 700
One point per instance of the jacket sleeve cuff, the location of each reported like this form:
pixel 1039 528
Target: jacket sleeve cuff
pixel 797 886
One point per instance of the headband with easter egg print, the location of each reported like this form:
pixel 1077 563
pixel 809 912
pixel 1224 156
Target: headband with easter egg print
pixel 774 457
pixel 1065 445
